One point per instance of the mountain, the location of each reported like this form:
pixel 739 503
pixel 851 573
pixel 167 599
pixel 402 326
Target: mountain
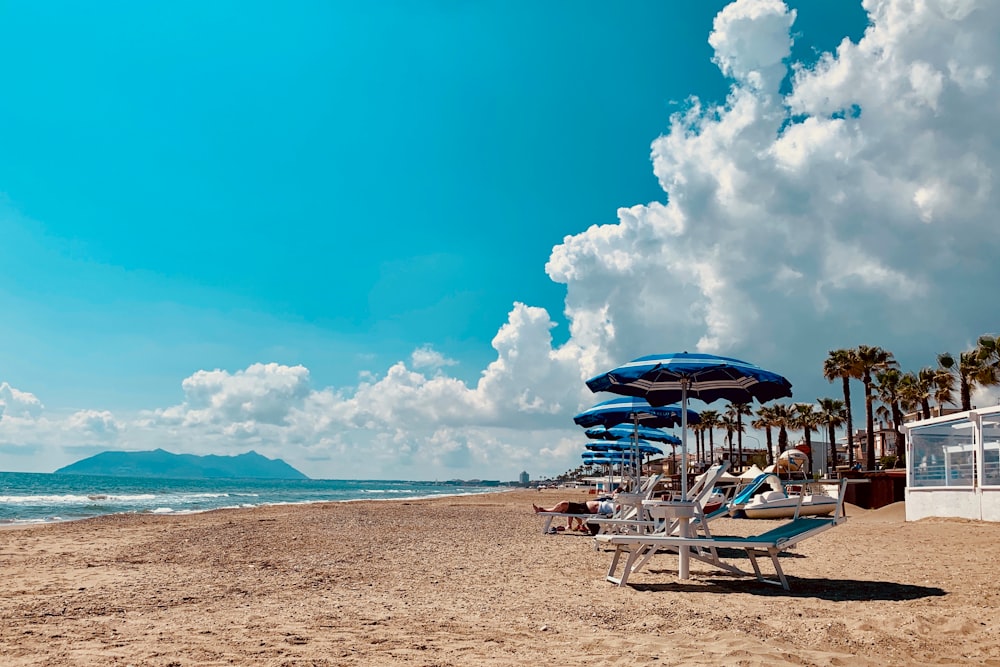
pixel 161 463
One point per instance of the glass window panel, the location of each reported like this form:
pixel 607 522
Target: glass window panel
pixel 943 454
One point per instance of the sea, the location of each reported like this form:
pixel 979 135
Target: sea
pixel 31 498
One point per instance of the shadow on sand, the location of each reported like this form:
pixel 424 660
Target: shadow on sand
pixel 836 590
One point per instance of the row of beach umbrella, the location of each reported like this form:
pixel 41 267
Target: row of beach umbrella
pixel 654 393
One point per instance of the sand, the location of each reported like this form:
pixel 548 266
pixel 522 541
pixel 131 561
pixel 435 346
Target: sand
pixel 472 581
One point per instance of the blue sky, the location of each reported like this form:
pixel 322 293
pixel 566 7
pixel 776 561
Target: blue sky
pixel 224 221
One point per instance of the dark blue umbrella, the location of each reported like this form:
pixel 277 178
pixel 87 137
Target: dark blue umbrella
pixel 668 378
pixel 622 433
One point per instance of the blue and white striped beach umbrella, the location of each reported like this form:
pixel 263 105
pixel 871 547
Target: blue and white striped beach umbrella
pixel 627 433
pixel 637 412
pixel 669 378
pixel 625 410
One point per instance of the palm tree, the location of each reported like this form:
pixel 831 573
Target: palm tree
pixel 970 369
pixel 764 422
pixel 917 388
pixel 871 358
pixel 988 351
pixel 782 419
pixel 944 387
pixel 698 431
pixel 842 364
pixel 710 421
pixel 988 348
pixel 888 390
pixel 805 417
pixel 831 413
pixel 728 422
pixel 738 410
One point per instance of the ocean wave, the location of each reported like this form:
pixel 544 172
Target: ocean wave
pixel 74 499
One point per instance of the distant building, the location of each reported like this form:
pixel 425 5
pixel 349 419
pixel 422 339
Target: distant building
pixel 525 479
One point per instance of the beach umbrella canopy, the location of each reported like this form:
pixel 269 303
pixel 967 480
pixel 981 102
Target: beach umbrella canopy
pixel 634 411
pixel 607 457
pixel 623 433
pixel 669 378
pixel 626 410
pixel 616 446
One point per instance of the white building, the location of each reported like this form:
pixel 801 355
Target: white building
pixel 953 466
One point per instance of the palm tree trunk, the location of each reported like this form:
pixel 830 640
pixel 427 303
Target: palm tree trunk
pixel 831 455
pixel 869 424
pixel 739 436
pixel 850 424
pixel 808 439
pixel 897 420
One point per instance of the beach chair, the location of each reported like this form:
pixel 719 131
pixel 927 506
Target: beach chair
pixel 639 548
pixel 628 514
pixel 624 510
pixel 642 522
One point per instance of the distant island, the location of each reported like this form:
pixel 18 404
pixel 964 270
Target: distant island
pixel 161 463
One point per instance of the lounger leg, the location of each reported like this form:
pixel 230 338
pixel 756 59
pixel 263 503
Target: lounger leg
pixel 773 553
pixel 753 561
pixel 614 564
pixel 547 525
pixel 650 552
pixel 777 567
pixel 636 551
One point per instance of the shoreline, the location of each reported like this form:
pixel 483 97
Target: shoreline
pixel 167 510
pixel 470 579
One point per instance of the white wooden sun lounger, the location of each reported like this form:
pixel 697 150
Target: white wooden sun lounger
pixel 640 548
pixel 623 512
pixel 697 494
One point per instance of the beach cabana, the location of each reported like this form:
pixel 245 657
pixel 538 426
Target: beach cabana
pixel 953 466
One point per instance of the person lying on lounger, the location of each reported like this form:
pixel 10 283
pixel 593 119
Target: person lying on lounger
pixel 606 507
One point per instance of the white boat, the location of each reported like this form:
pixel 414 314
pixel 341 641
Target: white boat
pixel 781 505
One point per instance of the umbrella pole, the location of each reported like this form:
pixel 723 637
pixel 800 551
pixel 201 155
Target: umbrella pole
pixel 683 563
pixel 635 453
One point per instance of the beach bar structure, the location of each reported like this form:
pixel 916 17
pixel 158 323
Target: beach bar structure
pixel 953 466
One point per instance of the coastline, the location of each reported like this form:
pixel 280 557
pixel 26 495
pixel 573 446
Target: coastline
pixel 470 579
pixel 42 498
